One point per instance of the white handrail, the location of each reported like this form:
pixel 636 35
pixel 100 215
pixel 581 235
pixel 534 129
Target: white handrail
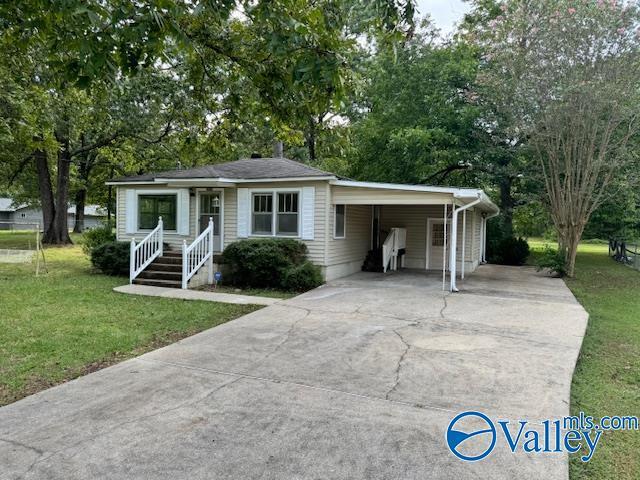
pixel 396 240
pixel 195 255
pixel 387 249
pixel 145 252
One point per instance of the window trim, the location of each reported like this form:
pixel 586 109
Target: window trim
pixel 274 214
pixel 344 221
pixel 143 192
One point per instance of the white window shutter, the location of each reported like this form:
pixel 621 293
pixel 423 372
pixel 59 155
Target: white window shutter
pixel 183 212
pixel 308 212
pixel 243 212
pixel 131 211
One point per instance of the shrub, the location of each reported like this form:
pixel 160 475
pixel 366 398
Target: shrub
pixel 552 260
pixel 301 278
pixel 264 263
pixel 510 251
pixel 111 258
pixel 97 236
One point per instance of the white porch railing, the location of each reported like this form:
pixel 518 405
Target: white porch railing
pixel 145 252
pixel 395 241
pixel 197 254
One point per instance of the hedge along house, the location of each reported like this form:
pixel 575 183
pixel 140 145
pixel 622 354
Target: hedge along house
pixel 347 225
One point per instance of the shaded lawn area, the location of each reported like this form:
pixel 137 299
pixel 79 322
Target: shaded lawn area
pixel 69 322
pixel 25 239
pixel 607 376
pixel 255 292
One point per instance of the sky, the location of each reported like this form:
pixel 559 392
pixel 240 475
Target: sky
pixel 445 13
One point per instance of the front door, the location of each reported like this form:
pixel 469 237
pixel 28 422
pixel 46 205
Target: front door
pixel 211 207
pixel 436 243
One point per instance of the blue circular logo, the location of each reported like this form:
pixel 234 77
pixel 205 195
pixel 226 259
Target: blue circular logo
pixel 467 426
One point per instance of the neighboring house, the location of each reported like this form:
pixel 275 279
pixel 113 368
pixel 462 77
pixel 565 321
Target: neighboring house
pixel 341 221
pixel 12 216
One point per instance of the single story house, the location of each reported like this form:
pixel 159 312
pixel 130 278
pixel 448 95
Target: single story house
pixel 21 216
pixel 342 222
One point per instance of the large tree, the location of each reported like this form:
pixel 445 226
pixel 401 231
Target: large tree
pixel 566 76
pixel 291 56
pixel 413 121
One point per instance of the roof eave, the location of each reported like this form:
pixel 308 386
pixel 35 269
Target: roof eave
pixel 219 181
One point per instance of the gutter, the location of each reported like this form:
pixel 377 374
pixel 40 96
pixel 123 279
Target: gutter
pixel 454 241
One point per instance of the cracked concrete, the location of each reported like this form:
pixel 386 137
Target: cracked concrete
pixel 356 379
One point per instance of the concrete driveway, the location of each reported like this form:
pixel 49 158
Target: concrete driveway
pixel 357 379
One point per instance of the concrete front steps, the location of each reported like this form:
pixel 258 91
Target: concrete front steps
pixel 164 271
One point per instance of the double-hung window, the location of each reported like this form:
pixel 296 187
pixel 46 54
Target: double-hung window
pixel 262 215
pixel 275 214
pixel 150 207
pixel 287 218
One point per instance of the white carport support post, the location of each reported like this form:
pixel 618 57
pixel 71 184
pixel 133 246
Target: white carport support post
pixel 444 249
pixel 482 239
pixel 454 242
pixel 464 241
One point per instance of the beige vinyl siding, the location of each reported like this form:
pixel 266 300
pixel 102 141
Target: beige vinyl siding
pixel 476 236
pixel 469 236
pixel 372 196
pixel 172 239
pixel 414 219
pixel 316 246
pixel 230 209
pixel 357 241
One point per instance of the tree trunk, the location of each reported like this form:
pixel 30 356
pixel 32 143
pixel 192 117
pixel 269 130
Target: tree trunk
pixel 62 196
pixel 46 190
pixel 80 200
pixel 573 236
pixel 56 230
pixel 84 170
pixel 311 140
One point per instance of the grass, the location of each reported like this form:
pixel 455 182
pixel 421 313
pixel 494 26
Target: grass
pixel 607 376
pixel 254 292
pixel 24 239
pixel 69 322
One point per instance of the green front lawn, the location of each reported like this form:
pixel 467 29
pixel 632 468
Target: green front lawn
pixel 607 376
pixel 69 322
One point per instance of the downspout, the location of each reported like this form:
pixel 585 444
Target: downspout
pixel 454 242
pixel 483 239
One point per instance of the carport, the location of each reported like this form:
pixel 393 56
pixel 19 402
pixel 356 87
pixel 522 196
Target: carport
pixel 421 227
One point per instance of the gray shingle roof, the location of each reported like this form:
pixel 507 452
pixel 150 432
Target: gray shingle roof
pixel 7 205
pixel 245 169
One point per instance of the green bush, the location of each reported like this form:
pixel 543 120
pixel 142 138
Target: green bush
pixel 552 260
pixel 301 278
pixel 265 262
pixel 95 237
pixel 112 258
pixel 510 251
